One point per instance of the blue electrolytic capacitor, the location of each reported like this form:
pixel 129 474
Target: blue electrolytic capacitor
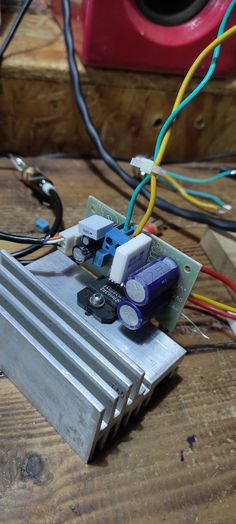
pixel 134 317
pixel 152 280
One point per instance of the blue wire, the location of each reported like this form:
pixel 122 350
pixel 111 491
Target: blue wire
pixel 181 106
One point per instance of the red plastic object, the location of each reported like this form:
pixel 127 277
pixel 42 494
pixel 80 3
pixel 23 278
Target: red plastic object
pixel 151 228
pixel 116 34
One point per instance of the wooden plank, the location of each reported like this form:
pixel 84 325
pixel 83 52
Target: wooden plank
pixel 38 113
pixel 154 471
pixel 221 250
pixel 149 474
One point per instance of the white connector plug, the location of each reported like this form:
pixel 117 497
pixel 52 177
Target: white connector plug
pixel 70 237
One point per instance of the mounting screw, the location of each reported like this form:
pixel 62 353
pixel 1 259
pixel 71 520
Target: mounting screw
pixel 97 300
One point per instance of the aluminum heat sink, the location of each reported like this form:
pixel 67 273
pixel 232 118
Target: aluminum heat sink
pixel 86 378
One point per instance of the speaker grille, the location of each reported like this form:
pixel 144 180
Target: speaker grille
pixel 170 12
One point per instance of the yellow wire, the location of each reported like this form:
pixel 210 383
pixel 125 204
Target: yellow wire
pixel 193 200
pixel 219 305
pixel 227 34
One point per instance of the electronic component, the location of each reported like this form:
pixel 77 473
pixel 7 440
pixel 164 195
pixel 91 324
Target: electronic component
pixel 70 237
pixel 154 228
pixel 81 252
pixel 95 226
pixel 134 317
pixel 42 225
pixel 152 280
pixel 113 239
pixel 100 299
pixel 87 241
pixel 188 267
pixel 129 257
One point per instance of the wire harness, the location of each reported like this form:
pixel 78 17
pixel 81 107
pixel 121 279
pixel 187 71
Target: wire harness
pixel 227 225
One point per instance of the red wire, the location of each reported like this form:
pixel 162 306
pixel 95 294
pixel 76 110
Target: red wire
pixel 212 309
pixel 219 276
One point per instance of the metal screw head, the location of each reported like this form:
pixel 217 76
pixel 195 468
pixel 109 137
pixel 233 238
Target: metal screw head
pixel 97 300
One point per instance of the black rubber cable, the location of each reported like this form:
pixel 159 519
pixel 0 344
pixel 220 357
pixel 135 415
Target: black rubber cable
pixel 20 239
pixel 14 27
pixel 217 156
pixel 80 101
pixel 228 225
pixel 92 156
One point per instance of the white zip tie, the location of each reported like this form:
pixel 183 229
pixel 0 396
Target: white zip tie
pixel 146 166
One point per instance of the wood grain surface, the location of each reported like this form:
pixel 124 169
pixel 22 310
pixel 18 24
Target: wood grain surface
pixel 176 463
pixel 38 113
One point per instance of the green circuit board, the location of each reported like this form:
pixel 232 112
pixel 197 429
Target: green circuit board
pixel 189 268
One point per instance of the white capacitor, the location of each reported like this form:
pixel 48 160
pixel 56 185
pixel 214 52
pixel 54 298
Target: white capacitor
pixel 95 226
pixel 130 256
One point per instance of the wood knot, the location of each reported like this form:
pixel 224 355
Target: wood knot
pixel 32 467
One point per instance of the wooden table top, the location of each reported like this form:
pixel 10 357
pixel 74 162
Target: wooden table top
pixel 176 462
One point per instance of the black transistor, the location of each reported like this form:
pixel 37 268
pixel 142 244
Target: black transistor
pixel 100 299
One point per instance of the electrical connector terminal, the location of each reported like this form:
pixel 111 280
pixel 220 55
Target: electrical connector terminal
pixel 70 236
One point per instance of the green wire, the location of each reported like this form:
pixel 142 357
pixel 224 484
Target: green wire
pixel 201 194
pixel 199 180
pixel 208 196
pixel 200 86
pixel 174 114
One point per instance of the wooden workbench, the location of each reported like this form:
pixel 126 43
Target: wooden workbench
pixel 176 462
pixel 38 113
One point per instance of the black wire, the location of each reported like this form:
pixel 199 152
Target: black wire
pixel 14 27
pixel 195 216
pixel 228 225
pixel 226 154
pixel 58 211
pixel 92 156
pixel 80 101
pixel 218 156
pixel 20 239
pixel 78 154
